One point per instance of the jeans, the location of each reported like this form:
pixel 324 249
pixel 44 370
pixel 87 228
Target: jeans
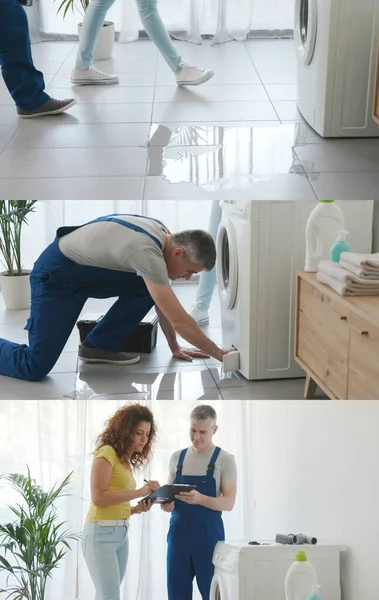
pixel 208 278
pixel 25 84
pixel 93 22
pixel 105 550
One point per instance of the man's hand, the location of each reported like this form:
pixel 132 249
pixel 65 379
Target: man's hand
pixel 193 497
pixel 189 353
pixel 169 507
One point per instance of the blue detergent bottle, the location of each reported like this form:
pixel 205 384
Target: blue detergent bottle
pixel 315 593
pixel 339 246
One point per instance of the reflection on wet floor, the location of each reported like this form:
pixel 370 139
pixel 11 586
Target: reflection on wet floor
pixel 215 157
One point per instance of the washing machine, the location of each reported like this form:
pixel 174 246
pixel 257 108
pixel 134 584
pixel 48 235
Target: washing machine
pixel 260 246
pixel 244 572
pixel 336 46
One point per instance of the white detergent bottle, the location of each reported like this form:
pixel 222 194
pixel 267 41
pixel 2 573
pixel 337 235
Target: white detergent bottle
pixel 323 225
pixel 300 579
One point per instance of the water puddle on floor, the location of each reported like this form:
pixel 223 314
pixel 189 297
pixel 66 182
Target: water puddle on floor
pixel 215 156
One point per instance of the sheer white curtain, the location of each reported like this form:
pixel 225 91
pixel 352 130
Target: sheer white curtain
pixel 55 438
pixel 50 215
pixel 186 19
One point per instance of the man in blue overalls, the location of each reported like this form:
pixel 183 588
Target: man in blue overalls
pixel 196 521
pixel 126 256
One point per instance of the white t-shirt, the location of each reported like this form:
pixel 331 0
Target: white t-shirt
pixel 197 464
pixel 110 245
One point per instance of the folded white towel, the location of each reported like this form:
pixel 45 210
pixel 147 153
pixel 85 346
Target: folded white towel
pixel 345 282
pixel 344 289
pixel 363 265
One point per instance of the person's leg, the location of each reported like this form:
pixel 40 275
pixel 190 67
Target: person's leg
pixel 123 317
pixel 25 84
pixel 157 32
pixel 100 546
pixel 206 536
pixel 122 557
pixel 84 72
pixel 54 312
pixel 207 281
pixel 180 570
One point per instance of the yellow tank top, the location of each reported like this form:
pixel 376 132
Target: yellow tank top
pixel 121 480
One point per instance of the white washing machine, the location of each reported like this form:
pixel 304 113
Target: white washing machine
pixel 244 572
pixel 336 46
pixel 260 246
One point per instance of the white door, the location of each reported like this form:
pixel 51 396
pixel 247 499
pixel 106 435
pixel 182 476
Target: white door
pixel 305 29
pixel 227 264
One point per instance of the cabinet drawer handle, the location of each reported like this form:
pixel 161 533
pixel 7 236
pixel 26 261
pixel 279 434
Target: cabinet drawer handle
pixel 360 331
pixel 343 318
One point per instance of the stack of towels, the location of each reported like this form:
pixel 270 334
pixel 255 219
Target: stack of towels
pixel 354 275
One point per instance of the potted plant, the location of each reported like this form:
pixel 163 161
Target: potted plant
pixel 104 46
pixel 32 546
pixel 14 281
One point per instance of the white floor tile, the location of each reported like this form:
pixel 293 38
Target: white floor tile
pixel 340 156
pixel 214 93
pixel 222 76
pixel 287 111
pixel 270 48
pixel 281 91
pixel 73 162
pixel 54 387
pixel 46 134
pixel 277 77
pixel 108 113
pixel 243 111
pixel 103 94
pixel 346 186
pixel 75 188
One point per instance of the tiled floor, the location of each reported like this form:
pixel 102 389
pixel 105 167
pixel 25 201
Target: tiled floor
pixel 157 376
pixel 238 136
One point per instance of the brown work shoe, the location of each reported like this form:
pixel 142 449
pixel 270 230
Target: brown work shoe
pixel 97 355
pixel 50 107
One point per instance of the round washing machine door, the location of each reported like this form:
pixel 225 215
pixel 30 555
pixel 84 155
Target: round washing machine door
pixel 305 29
pixel 218 589
pixel 227 264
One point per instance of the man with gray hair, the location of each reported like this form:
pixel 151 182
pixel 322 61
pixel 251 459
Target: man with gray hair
pixel 196 520
pixel 131 257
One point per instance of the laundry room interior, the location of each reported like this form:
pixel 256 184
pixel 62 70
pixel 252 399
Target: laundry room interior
pixel 301 469
pixel 290 109
pixel 290 333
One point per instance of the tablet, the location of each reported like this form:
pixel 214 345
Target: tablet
pixel 167 493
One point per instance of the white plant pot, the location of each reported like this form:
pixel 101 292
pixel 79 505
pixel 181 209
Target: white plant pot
pixel 104 46
pixel 16 290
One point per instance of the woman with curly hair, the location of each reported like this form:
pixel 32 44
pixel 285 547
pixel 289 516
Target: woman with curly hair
pixel 124 446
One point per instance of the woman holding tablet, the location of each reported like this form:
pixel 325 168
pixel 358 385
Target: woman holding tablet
pixel 124 446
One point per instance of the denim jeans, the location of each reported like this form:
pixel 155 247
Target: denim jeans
pixel 24 82
pixel 208 278
pixel 105 550
pixel 93 22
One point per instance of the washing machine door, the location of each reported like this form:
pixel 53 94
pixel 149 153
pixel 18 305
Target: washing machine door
pixel 227 264
pixel 305 29
pixel 218 589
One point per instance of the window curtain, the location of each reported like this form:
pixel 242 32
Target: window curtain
pixel 223 20
pixel 56 438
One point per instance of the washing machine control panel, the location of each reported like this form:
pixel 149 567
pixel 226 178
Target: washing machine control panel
pixel 225 561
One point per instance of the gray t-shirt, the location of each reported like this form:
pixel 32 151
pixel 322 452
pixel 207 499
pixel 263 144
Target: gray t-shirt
pixel 196 464
pixel 110 245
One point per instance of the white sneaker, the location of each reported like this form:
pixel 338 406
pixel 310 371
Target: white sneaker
pixel 200 315
pixel 192 75
pixel 92 76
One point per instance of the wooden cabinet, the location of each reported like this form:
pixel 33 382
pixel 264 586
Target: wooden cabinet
pixel 337 341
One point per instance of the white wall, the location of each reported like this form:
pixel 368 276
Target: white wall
pixel 316 472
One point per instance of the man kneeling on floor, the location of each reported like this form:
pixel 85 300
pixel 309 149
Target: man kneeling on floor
pixel 128 256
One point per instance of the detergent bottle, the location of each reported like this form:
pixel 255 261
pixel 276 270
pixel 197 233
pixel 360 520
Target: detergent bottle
pixel 339 246
pixel 300 579
pixel 315 593
pixel 323 225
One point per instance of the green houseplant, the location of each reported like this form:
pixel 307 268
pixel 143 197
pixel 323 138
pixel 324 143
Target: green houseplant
pixel 105 42
pixel 33 545
pixel 14 281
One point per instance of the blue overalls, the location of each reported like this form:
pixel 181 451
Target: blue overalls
pixel 59 289
pixel 193 534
